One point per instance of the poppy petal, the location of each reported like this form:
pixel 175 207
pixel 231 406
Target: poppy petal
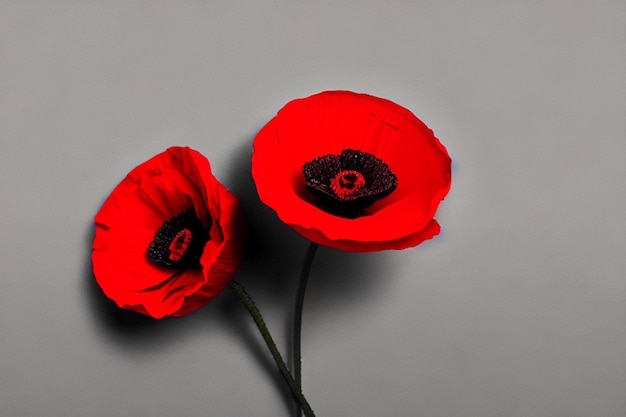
pixel 431 230
pixel 329 123
pixel 151 194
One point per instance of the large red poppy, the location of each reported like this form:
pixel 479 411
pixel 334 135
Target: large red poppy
pixel 169 237
pixel 352 171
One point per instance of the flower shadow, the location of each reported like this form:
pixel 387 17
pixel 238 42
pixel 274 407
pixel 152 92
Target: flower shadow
pixel 276 252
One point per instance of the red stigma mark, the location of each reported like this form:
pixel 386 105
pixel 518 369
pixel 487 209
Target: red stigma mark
pixel 179 245
pixel 346 183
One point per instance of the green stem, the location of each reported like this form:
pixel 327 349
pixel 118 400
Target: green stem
pixel 296 391
pixel 297 320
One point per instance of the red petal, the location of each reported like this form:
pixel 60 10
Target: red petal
pixel 329 122
pixel 431 230
pixel 166 299
pixel 151 194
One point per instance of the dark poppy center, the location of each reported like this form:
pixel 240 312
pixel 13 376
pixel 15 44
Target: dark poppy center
pixel 348 183
pixel 179 242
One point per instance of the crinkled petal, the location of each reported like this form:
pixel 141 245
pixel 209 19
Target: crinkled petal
pixel 152 193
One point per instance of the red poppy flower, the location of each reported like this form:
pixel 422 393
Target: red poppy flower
pixel 352 171
pixel 169 237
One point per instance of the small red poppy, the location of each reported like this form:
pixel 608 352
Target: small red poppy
pixel 169 237
pixel 352 171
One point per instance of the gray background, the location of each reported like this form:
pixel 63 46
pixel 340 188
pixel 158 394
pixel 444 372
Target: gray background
pixel 517 309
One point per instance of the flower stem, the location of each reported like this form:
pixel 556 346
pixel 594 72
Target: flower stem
pixel 297 320
pixel 296 391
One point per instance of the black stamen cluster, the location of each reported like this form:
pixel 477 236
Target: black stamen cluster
pixel 380 181
pixel 159 252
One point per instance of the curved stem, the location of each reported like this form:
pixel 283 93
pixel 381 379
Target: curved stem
pixel 296 391
pixel 297 320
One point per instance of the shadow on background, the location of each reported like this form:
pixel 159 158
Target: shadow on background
pixel 275 255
